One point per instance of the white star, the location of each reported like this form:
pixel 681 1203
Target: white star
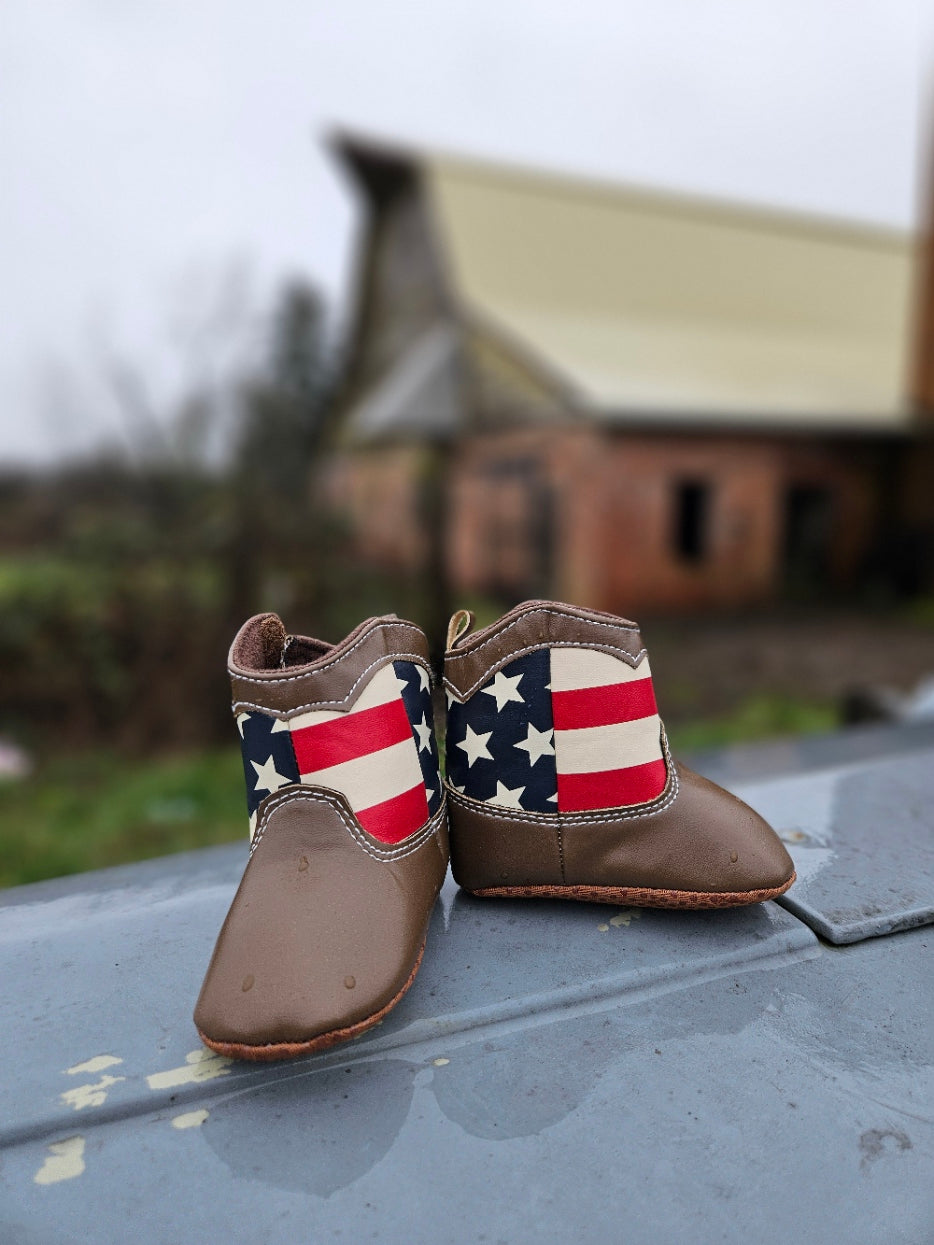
pixel 504 797
pixel 423 731
pixel 504 689
pixel 537 744
pixel 241 719
pixel 280 724
pixel 553 799
pixel 424 679
pixel 401 683
pixel 449 696
pixel 267 778
pixel 429 793
pixel 475 747
pixel 457 788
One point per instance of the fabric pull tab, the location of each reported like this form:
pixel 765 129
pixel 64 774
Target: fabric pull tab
pixel 461 622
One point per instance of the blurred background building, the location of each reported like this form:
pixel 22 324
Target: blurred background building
pixel 647 401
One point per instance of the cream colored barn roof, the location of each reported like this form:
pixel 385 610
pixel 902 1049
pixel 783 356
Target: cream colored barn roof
pixel 673 307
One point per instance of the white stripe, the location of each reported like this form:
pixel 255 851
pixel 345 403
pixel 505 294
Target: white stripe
pixel 381 689
pixel 574 668
pixel 595 748
pixel 370 779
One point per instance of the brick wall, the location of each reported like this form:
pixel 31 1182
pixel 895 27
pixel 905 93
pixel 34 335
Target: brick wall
pixel 615 540
pixel 603 518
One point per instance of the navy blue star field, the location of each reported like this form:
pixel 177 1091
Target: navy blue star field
pixel 416 696
pixel 500 744
pixel 268 756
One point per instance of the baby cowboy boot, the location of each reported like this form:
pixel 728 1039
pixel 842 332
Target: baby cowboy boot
pixel 560 782
pixel 348 838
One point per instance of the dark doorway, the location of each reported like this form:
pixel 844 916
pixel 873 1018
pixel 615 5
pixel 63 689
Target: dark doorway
pixel 808 531
pixel 692 520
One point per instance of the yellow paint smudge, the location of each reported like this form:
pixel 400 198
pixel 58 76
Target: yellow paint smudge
pixel 89 1095
pixel 97 1064
pixel 625 917
pixel 191 1119
pixel 440 1063
pixel 65 1161
pixel 603 928
pixel 199 1065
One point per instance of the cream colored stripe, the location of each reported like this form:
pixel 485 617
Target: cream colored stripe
pixel 574 668
pixel 596 748
pixel 373 778
pixel 380 690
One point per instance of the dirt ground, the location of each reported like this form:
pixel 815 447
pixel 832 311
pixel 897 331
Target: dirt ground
pixel 705 667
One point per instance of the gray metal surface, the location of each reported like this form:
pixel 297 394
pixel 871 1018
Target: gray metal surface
pixel 743 763
pixel 862 839
pixel 557 1072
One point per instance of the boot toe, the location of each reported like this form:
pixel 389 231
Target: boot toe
pixel 734 850
pixel 322 938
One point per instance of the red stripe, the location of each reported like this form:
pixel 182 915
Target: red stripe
pixel 396 819
pixel 344 739
pixel 603 706
pixel 611 788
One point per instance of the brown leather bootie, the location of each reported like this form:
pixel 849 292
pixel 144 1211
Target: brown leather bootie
pixel 349 838
pixel 560 782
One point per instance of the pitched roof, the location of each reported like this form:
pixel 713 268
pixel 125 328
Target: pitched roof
pixel 416 395
pixel 658 304
pixel 665 306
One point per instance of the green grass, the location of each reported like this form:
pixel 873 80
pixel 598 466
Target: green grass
pixel 763 716
pixel 96 809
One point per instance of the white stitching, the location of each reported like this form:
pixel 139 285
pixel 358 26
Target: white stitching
pixel 234 674
pixel 557 821
pixel 532 648
pixel 415 658
pixel 471 652
pixel 410 845
pixel 418 840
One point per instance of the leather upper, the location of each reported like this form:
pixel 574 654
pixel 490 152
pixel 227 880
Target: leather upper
pixel 325 927
pixel 700 839
pixel 533 625
pixel 332 677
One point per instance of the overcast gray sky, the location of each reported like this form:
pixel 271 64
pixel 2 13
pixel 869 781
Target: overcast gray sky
pixel 152 152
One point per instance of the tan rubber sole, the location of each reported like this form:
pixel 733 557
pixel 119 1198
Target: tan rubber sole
pixel 291 1050
pixel 637 896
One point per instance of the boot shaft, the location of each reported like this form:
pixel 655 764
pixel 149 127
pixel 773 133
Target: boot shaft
pixel 552 710
pixel 560 781
pixel 354 717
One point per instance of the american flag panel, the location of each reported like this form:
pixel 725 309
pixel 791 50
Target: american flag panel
pixel 381 753
pixel 559 730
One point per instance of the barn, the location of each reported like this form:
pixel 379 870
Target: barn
pixel 629 399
